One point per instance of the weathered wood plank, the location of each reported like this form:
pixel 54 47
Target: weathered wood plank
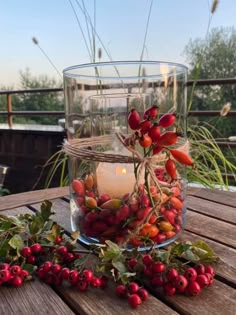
pixel 213 209
pixel 22 199
pixel 34 297
pixel 105 302
pixel 222 197
pixel 218 299
pixel 217 230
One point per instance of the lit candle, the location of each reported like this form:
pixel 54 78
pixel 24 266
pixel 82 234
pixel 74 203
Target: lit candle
pixel 115 179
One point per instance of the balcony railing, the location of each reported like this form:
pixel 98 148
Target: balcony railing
pixel 9 113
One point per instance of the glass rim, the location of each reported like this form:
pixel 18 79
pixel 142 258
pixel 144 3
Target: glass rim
pixel 68 72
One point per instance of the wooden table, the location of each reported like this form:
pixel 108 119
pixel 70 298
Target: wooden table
pixel 211 217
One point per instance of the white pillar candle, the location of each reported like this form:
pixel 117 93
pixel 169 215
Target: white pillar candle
pixel 115 179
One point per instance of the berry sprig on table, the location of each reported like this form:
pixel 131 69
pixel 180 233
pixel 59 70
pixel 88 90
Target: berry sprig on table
pixel 35 246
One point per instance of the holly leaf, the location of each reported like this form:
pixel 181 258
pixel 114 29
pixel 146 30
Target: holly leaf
pixel 16 242
pixel 45 210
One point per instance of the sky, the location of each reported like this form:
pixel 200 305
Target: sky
pixel 120 24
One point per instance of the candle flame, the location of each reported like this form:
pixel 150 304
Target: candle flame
pixel 121 170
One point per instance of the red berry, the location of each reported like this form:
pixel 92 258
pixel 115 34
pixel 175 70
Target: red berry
pixel 73 277
pixel 171 274
pixel 210 278
pixel 167 138
pixel 57 280
pixel 82 285
pixel 190 274
pixel 181 283
pixel 169 288
pixel 193 288
pixel 87 275
pixel 56 268
pixel 210 270
pixel 143 293
pixel 47 266
pixel 5 275
pixel 31 260
pixel 36 248
pixel 65 273
pixel 69 257
pixel 133 287
pixel 104 281
pixel 15 270
pixel 62 250
pixel 147 259
pixel 24 274
pixel 160 238
pixel 96 282
pixel 154 133
pixel 17 281
pixel 147 271
pixel 91 217
pixel 4 266
pixel 122 213
pixel 167 120
pixel 134 300
pixel 202 280
pixel 171 169
pixel 121 290
pixel 49 278
pixel 151 112
pixel 134 119
pixel 26 252
pixel 132 263
pixel 158 267
pixel 200 268
pixel 145 126
pixel 58 239
pixel 41 273
pixel 157 281
pixel 145 141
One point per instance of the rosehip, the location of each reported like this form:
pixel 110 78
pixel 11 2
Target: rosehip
pixel 5 275
pixel 158 267
pixel 87 275
pixel 193 288
pixel 134 119
pixel 147 259
pixel 202 280
pixel 17 281
pixel 133 287
pixel 145 126
pixel 143 293
pixel 154 133
pixel 145 141
pixel 134 300
pixel 181 283
pixel 171 274
pixel 26 252
pixel 190 274
pixel 96 282
pixel 15 270
pixel 167 120
pixel 121 290
pixel 36 248
pixel 151 112
pixel 200 268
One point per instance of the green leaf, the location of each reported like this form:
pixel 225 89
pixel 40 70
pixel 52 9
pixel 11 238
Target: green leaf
pixel 204 251
pixel 16 242
pixel 80 261
pixel 119 266
pixel 36 225
pixel 46 210
pixel 30 268
pixel 189 255
pixel 180 248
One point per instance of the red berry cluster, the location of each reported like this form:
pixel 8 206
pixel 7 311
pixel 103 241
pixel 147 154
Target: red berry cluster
pixel 31 253
pixel 135 294
pixel 12 275
pixel 55 274
pixel 156 275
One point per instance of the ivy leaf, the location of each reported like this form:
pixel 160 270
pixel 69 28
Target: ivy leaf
pixel 46 210
pixel 16 242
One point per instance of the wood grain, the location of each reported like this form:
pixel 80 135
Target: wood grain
pixel 213 229
pixel 27 198
pixel 213 209
pixel 222 197
pixel 34 297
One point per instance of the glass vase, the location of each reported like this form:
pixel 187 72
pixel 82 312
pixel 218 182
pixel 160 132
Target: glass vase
pixel 127 151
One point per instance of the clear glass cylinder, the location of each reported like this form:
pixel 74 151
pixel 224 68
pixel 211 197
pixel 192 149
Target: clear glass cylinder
pixel 141 108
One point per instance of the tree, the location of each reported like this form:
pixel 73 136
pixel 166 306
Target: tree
pixel 215 59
